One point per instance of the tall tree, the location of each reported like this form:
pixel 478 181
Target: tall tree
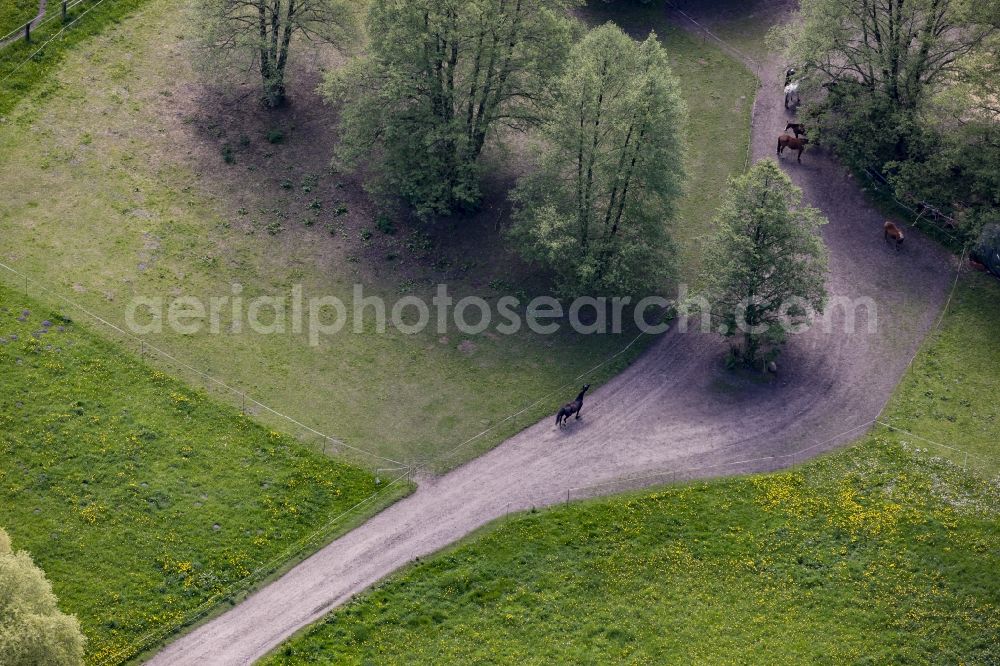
pixel 766 267
pixel 895 48
pixel 440 76
pixel 258 34
pixel 32 629
pixel 597 209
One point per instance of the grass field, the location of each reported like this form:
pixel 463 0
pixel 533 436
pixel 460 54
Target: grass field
pixel 15 13
pixel 27 68
pixel 883 553
pixel 950 392
pixel 873 555
pixel 118 188
pixel 742 24
pixel 141 498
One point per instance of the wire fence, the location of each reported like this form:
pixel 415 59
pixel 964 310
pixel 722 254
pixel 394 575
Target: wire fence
pixel 209 382
pixel 779 461
pixel 749 61
pixel 65 7
pixel 67 24
pixel 923 212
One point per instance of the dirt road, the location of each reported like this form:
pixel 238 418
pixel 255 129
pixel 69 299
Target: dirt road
pixel 675 407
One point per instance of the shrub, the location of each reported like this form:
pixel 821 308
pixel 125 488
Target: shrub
pixel 32 629
pixel 385 225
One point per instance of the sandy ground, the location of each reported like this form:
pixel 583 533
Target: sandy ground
pixel 675 408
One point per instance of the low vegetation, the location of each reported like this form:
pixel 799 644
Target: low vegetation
pixel 15 13
pixel 874 554
pixel 26 67
pixel 142 499
pixel 949 394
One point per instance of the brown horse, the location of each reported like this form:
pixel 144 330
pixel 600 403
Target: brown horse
pixel 571 408
pixel 798 128
pixel 792 143
pixel 892 233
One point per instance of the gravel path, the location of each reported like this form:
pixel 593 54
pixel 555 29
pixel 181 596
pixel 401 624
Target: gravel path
pixel 675 407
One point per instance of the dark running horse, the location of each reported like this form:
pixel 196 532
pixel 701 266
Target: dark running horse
pixel 572 408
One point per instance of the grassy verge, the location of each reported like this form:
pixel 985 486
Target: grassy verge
pixel 742 24
pixel 884 553
pixel 949 394
pixel 27 67
pixel 117 187
pixel 15 13
pixel 140 498
pixel 873 555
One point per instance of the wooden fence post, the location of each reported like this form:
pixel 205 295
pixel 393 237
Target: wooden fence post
pixel 27 32
pixel 64 13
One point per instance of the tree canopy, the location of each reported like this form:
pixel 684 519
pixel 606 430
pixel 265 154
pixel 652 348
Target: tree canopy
pixel 32 629
pixel 258 34
pixel 897 48
pixel 598 208
pixel 438 78
pixel 909 88
pixel 766 267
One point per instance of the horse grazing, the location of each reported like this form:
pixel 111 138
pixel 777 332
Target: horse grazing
pixel 792 98
pixel 571 408
pixel 891 232
pixel 798 128
pixel 792 143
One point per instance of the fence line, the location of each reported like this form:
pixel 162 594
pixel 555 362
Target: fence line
pixel 64 6
pixel 878 180
pixel 739 53
pixel 145 346
pixel 296 548
pixel 638 482
pixel 747 60
pixel 49 40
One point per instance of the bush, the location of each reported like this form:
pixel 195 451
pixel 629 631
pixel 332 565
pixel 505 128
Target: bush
pixel 385 225
pixel 987 249
pixel 32 629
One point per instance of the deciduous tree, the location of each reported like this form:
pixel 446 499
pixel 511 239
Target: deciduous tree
pixel 766 267
pixel 895 48
pixel 32 629
pixel 598 208
pixel 438 78
pixel 259 34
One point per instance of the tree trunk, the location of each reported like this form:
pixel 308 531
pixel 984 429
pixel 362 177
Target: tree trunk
pixel 274 90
